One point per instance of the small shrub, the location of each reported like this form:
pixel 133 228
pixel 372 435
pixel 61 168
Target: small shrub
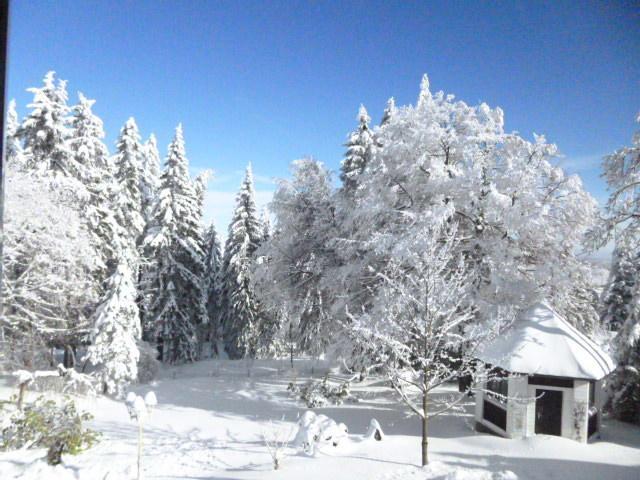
pixel 47 424
pixel 318 394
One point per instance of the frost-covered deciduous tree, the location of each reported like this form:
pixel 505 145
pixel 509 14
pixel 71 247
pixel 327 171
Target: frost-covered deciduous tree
pixel 291 280
pixel 622 223
pixel 177 306
pixel 521 220
pixel 116 330
pixel 48 264
pixel 420 320
pixel 240 310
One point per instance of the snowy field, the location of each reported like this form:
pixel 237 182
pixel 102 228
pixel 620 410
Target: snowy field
pixel 211 416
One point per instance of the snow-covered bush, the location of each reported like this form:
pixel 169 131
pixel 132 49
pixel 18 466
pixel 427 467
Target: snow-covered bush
pixel 139 410
pixel 315 431
pixel 148 363
pixel 320 393
pixel 57 426
pixel 276 439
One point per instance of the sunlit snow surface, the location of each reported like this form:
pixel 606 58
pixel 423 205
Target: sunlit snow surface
pixel 210 417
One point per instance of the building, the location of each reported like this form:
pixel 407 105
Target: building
pixel 546 378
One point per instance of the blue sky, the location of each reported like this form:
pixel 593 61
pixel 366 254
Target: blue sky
pixel 269 82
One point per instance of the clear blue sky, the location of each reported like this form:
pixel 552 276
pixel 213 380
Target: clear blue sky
pixel 269 82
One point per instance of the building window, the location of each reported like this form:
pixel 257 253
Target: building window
pixel 492 413
pixel 498 385
pixel 549 381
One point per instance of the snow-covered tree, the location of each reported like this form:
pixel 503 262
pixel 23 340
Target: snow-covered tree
pixel 617 299
pixel 521 220
pixel 622 223
pixel 177 307
pixel 116 329
pixel 292 280
pixel 240 311
pixel 419 321
pixel 149 177
pixel 88 149
pixel 48 264
pixel 212 282
pixel 44 133
pixel 13 147
pixel 358 151
pixel 129 161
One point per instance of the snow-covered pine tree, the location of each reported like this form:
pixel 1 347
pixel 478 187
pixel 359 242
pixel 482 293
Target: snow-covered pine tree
pixel 389 112
pixel 177 307
pixel 129 161
pixel 149 185
pixel 116 329
pixel 200 190
pixel 358 152
pixel 44 133
pixel 622 221
pixel 13 147
pixel 618 296
pixel 240 311
pixel 87 146
pixel 212 284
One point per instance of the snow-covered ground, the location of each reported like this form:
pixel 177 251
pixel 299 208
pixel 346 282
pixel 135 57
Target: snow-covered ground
pixel 211 417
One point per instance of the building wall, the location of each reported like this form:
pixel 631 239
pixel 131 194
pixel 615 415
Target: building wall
pixel 518 407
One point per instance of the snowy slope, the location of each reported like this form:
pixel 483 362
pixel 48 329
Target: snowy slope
pixel 211 415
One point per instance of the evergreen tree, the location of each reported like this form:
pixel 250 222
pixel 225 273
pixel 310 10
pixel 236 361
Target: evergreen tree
pixel 212 282
pixel 177 308
pixel 622 218
pixel 389 112
pixel 618 297
pixel 240 312
pixel 358 152
pixel 13 147
pixel 44 133
pixel 116 330
pixel 129 161
pixel 86 144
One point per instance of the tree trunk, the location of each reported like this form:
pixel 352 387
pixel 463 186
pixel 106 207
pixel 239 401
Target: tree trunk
pixel 425 431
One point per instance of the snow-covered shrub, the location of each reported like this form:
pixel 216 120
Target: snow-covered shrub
pixel 315 431
pixel 139 409
pixel 57 426
pixel 276 439
pixel 148 363
pixel 318 394
pixel 375 431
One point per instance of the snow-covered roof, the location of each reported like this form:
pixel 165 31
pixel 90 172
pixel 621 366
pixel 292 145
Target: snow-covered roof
pixel 541 342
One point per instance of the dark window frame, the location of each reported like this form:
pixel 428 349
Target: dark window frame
pixel 550 381
pixel 494 414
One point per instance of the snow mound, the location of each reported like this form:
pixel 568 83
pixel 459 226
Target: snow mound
pixel 315 431
pixel 443 471
pixel 541 342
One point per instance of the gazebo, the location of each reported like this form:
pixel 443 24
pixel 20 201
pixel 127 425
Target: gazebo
pixel 546 378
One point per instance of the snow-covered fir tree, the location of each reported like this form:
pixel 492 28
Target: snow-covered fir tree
pixel 129 161
pixel 358 151
pixel 618 296
pixel 44 133
pixel 149 178
pixel 177 307
pixel 13 146
pixel 113 348
pixel 241 317
pixel 389 112
pixel 622 223
pixel 212 283
pixel 87 146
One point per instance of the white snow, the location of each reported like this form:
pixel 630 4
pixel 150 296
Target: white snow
pixel 211 416
pixel 541 342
